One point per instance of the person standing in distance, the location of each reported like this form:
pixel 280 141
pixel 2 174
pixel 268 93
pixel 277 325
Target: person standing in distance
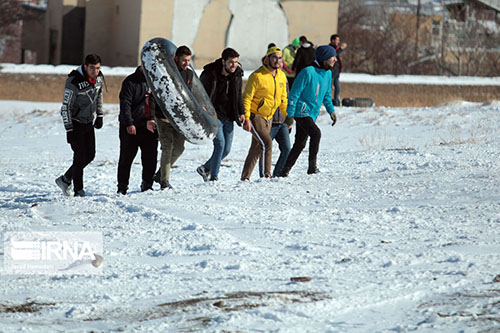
pixel 337 68
pixel 82 101
pixel 222 80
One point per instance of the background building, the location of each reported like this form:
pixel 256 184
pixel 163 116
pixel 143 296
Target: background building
pixel 117 29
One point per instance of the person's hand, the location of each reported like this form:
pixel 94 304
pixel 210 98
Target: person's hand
pixel 247 125
pixel 151 125
pixel 333 117
pixel 242 119
pixel 70 136
pixel 288 121
pixel 98 122
pixel 131 130
pixel 343 46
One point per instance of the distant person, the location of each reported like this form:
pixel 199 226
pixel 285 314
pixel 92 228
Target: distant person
pixel 171 141
pixel 136 132
pixel 264 93
pixel 312 87
pixel 81 103
pixel 339 48
pixel 304 56
pixel 222 80
pixel 289 53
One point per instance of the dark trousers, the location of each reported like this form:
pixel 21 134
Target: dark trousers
pixel 129 145
pixel 305 127
pixel 336 88
pixel 83 147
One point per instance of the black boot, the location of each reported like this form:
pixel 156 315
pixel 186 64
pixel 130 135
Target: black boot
pixel 285 171
pixel 312 168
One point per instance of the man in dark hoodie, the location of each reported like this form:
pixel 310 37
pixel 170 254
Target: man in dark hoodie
pixel 136 131
pixel 304 56
pixel 82 101
pixel 222 81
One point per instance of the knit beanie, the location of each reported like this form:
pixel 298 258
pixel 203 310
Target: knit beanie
pixel 324 52
pixel 296 42
pixel 272 50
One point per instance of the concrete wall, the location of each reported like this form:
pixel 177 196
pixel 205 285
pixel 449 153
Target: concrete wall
pixel 117 29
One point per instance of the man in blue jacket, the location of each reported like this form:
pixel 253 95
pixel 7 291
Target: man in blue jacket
pixel 312 87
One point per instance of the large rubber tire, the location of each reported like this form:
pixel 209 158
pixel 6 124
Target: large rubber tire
pixel 190 112
pixel 358 102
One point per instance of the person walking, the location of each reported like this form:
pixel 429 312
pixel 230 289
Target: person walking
pixel 82 102
pixel 304 56
pixel 171 141
pixel 136 132
pixel 337 68
pixel 312 87
pixel 222 80
pixel 264 93
pixel 289 53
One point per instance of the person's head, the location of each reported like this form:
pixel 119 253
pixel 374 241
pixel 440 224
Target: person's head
pixel 274 58
pixel 270 45
pixel 92 66
pixel 230 60
pixel 302 40
pixel 182 57
pixel 326 56
pixel 335 39
pixel 296 43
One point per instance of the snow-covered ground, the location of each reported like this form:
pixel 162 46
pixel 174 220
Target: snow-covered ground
pixel 399 232
pixel 346 77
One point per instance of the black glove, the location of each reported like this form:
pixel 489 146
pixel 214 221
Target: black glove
pixel 334 118
pixel 70 136
pixel 98 122
pixel 289 121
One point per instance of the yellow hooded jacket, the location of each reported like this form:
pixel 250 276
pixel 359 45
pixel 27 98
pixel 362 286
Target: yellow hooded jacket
pixel 264 93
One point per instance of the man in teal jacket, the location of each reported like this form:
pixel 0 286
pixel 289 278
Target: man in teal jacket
pixel 312 87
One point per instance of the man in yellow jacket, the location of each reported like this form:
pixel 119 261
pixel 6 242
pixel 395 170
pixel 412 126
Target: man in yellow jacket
pixel 264 93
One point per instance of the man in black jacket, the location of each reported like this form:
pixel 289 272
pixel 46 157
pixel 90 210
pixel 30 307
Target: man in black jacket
pixel 82 101
pixel 136 131
pixel 304 56
pixel 222 81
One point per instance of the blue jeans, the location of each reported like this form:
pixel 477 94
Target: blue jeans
pixel 282 135
pixel 222 146
pixel 336 89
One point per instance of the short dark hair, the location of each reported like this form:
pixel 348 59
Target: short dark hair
pixel 270 45
pixel 303 39
pixel 92 59
pixel 332 37
pixel 182 51
pixel 229 53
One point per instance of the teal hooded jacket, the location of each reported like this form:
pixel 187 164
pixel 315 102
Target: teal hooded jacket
pixel 311 88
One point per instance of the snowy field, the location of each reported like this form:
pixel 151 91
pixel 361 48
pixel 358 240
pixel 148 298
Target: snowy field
pixel 399 232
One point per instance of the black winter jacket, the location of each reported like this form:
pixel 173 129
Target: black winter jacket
pixel 212 73
pixel 133 100
pixel 82 99
pixel 304 57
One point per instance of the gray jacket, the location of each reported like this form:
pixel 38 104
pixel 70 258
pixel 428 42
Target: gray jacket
pixel 82 99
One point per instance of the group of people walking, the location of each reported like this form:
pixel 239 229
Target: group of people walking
pixel 289 86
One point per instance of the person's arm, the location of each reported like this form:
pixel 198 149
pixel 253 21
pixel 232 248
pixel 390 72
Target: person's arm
pixel 297 87
pixel 70 93
pixel 207 80
pixel 284 99
pixel 327 99
pixel 126 95
pixel 248 94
